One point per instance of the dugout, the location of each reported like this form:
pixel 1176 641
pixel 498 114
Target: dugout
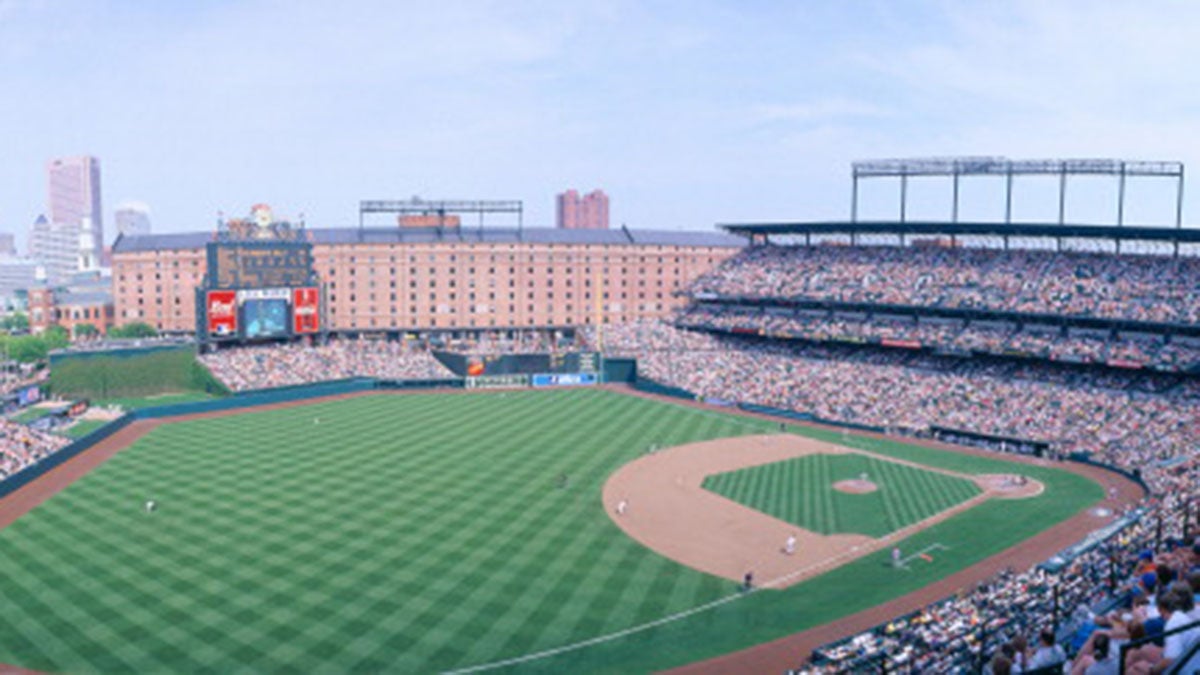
pixel 1022 446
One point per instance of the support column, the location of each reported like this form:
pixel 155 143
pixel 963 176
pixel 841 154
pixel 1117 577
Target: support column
pixel 854 197
pixel 1008 196
pixel 1179 201
pixel 1062 195
pixel 1121 197
pixel 954 211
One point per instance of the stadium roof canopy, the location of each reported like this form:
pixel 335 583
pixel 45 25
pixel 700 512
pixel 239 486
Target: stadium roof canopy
pixel 959 167
pixel 466 235
pixel 942 228
pixel 1002 166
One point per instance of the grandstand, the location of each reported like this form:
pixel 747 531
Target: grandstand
pixel 1043 346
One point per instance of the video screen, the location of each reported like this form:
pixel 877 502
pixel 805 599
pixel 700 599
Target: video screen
pixel 265 318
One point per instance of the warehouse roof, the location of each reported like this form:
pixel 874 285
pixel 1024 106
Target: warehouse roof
pixel 424 235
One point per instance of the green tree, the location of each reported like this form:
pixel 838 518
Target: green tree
pixel 56 337
pixel 86 330
pixel 28 348
pixel 136 329
pixel 15 323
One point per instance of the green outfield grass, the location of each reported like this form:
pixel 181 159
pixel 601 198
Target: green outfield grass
pixel 82 428
pixel 133 403
pixel 800 491
pixel 417 533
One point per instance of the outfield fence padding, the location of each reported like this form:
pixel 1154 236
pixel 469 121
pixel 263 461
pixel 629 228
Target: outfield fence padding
pixel 652 387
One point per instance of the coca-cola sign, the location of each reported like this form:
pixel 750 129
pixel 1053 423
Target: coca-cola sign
pixel 222 313
pixel 305 303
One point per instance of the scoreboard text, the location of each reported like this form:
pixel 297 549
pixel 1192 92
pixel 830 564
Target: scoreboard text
pixel 259 265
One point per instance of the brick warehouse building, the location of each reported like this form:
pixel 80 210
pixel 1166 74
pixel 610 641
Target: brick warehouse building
pixel 397 279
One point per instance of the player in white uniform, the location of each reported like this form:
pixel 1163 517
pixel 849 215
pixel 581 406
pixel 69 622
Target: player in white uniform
pixel 622 506
pixel 789 546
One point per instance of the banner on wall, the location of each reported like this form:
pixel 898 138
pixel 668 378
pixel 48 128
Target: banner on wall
pixel 222 312
pixel 563 379
pixel 305 303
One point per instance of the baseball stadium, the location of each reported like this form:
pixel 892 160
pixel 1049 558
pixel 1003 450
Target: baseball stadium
pixel 804 447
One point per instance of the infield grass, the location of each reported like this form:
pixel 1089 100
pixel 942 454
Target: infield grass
pixel 800 491
pixel 416 533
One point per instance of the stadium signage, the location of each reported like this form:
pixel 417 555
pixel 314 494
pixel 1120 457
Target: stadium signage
pixel 260 264
pixel 29 395
pixel 305 302
pixel 563 379
pixel 497 381
pixel 263 294
pixel 222 312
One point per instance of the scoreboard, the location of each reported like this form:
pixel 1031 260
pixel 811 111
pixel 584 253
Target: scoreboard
pixel 260 313
pixel 260 283
pixel 255 264
pixel 526 364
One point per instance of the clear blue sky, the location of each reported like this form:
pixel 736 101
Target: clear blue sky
pixel 686 113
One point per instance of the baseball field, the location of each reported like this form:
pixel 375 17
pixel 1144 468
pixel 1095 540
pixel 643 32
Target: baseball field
pixel 453 532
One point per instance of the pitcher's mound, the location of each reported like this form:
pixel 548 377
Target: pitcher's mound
pixel 855 487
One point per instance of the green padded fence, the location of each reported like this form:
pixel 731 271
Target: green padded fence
pixel 128 373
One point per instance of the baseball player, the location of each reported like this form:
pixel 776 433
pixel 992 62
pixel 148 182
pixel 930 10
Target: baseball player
pixel 622 506
pixel 789 546
pixel 151 505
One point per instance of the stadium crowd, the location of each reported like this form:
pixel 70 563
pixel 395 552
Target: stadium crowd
pixel 1148 423
pixel 999 338
pixel 21 446
pixel 1143 421
pixel 1141 288
pixel 280 365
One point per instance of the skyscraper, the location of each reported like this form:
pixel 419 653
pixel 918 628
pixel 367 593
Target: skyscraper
pixel 56 247
pixel 587 213
pixel 73 193
pixel 567 210
pixel 133 219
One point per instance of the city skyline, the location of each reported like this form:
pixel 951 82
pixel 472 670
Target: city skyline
pixel 709 112
pixel 582 212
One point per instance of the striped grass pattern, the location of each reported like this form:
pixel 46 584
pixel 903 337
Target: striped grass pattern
pixel 800 491
pixel 419 533
pixel 385 533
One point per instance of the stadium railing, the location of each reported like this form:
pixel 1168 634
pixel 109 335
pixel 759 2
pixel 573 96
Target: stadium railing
pixel 1135 476
pixel 1189 655
pixel 34 471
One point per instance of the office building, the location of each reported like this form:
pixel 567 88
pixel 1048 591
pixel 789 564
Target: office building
pixel 589 212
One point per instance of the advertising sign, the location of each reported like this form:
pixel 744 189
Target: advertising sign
pixel 222 313
pixel 305 303
pixel 29 395
pixel 563 379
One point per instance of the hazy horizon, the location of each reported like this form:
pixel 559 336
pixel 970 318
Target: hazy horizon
pixel 686 114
